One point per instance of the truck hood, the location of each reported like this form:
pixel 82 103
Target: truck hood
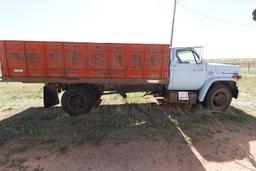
pixel 224 68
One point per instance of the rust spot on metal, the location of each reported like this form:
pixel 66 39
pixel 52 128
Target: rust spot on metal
pixel 136 61
pixel 53 57
pixel 153 60
pixel 97 59
pixel 33 59
pixel 75 58
pixel 16 55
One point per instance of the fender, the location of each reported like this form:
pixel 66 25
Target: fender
pixel 203 91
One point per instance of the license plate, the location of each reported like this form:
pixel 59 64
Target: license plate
pixel 183 95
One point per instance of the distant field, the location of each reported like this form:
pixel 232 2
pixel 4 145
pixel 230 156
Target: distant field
pixel 240 61
pixel 248 65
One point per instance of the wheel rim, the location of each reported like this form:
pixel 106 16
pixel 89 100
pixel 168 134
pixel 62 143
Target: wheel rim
pixel 220 99
pixel 76 102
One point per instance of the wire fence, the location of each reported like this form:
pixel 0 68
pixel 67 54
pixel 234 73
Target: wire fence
pixel 248 67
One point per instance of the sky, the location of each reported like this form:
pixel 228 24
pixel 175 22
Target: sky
pixel 223 27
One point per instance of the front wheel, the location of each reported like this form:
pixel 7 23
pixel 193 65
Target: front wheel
pixel 218 98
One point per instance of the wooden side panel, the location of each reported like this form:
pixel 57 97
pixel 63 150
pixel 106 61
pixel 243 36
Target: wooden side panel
pixel 118 61
pixel 84 60
pixel 98 57
pixel 15 59
pixel 75 60
pixel 54 57
pixel 35 59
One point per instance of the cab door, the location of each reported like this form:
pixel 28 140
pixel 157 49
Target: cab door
pixel 188 71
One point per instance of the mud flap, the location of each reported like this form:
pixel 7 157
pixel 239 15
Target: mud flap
pixel 51 97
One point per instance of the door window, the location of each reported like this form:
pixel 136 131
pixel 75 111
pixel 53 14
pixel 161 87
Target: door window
pixel 187 57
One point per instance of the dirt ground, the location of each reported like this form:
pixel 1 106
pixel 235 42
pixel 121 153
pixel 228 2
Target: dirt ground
pixel 215 154
pixel 222 146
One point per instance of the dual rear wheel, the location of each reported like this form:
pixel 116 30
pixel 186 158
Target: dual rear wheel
pixel 78 101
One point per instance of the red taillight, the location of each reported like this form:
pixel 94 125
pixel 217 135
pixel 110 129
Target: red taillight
pixel 237 76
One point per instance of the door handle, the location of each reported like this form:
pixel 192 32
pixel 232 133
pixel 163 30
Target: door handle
pixel 198 70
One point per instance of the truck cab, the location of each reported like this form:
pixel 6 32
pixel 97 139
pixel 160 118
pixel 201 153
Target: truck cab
pixel 187 70
pixel 212 84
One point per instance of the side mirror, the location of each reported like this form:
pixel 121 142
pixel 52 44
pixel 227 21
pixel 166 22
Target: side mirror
pixel 254 15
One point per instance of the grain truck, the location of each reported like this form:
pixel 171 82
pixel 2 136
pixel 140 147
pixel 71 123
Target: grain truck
pixel 86 71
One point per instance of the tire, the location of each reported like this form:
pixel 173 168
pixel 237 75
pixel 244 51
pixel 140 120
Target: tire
pixel 77 101
pixel 218 98
pixel 92 91
pixel 98 93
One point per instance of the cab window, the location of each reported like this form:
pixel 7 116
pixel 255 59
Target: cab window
pixel 187 57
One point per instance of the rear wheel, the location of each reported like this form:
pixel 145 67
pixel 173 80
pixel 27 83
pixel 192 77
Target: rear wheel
pixel 98 93
pixel 218 98
pixel 77 101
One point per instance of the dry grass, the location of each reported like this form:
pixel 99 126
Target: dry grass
pixel 18 96
pixel 117 119
pixel 114 118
